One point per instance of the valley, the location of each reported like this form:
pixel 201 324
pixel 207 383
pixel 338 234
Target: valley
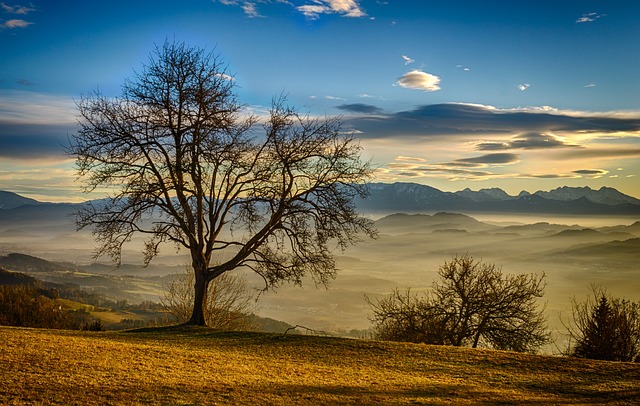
pixel 407 253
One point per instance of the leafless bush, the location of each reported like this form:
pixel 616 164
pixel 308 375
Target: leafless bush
pixel 230 301
pixel 473 304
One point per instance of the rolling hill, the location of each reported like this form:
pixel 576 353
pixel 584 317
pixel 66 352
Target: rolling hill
pixel 206 367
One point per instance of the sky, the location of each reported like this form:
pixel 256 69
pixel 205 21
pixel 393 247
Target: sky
pixel 521 95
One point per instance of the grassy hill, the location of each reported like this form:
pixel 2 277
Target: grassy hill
pixel 201 367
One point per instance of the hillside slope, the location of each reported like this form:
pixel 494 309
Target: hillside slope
pixel 204 367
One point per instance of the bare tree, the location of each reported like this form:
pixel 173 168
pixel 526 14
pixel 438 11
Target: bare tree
pixel 230 301
pixel 604 327
pixel 473 304
pixel 185 166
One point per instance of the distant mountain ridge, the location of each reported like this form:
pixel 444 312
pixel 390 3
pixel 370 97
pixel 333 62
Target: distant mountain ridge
pixel 10 200
pixel 413 197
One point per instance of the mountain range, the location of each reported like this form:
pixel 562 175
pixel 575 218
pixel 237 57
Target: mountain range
pixel 416 198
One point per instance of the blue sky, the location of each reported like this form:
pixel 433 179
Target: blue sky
pixel 518 95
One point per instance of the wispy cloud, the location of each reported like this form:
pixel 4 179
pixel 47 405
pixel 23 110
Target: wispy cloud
pixel 523 87
pixel 602 153
pixel 23 10
pixel 589 17
pixel 34 125
pixel 345 8
pixel 225 76
pixel 407 60
pixel 497 158
pixel 15 22
pixel 403 158
pixel 419 80
pixel 590 85
pixel 10 24
pixel 464 68
pixel 250 10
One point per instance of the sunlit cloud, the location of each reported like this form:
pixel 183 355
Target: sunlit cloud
pixel 10 24
pixel 23 10
pixel 346 8
pixel 225 76
pixel 591 173
pixel 407 60
pixel 250 10
pixel 523 87
pixel 403 158
pixel 312 10
pixel 589 17
pixel 419 80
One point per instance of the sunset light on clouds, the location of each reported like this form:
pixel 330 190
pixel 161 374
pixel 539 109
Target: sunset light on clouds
pixel 453 95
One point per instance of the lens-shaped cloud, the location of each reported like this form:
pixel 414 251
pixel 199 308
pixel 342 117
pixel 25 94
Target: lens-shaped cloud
pixel 419 80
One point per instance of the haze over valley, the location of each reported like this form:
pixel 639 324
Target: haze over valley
pixel 573 251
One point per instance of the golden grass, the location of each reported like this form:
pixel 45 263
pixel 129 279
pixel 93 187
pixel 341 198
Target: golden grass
pixel 203 367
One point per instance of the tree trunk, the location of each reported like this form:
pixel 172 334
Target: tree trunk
pixel 199 299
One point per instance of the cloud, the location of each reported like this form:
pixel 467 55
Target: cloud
pixel 23 10
pixel 23 141
pixel 464 68
pixel 523 87
pixel 530 140
pixel 419 80
pixel 402 158
pixel 602 153
pixel 225 76
pixel 590 85
pixel 545 175
pixel 589 17
pixel 34 125
pixel 591 172
pixel 407 60
pixel 312 10
pixel 329 97
pixel 360 108
pixel 445 120
pixel 250 10
pixel 497 158
pixel 10 24
pixel 346 8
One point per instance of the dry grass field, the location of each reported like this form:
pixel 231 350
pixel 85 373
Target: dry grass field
pixel 204 367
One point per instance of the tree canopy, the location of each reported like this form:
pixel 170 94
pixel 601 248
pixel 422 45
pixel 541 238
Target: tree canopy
pixel 186 164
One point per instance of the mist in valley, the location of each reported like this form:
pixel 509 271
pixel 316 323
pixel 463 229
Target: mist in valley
pixel 572 252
